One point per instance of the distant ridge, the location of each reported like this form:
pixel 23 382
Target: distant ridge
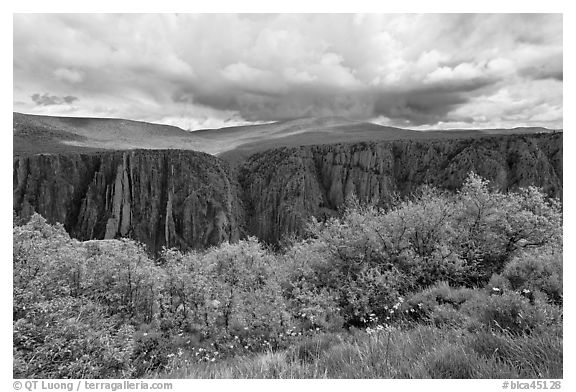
pixel 35 134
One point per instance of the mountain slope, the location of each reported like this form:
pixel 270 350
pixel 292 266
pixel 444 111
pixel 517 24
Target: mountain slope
pixel 38 134
pixel 44 134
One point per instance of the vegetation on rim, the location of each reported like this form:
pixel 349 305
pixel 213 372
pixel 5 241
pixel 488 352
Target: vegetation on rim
pixel 448 285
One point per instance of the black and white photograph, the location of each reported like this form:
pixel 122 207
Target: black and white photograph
pixel 287 196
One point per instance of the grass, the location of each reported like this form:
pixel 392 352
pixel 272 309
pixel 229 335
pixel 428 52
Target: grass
pixel 420 352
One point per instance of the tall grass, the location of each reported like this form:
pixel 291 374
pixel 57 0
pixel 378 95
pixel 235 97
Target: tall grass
pixel 421 352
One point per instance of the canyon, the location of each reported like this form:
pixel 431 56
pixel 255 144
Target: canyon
pixel 193 200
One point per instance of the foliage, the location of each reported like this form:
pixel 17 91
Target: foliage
pixel 537 270
pixel 71 338
pixel 413 290
pixel 370 257
pixel 419 352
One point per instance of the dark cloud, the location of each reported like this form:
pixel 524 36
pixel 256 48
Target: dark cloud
pixel 48 100
pixel 427 104
pixel 415 105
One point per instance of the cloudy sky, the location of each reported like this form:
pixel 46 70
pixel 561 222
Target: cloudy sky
pixel 212 70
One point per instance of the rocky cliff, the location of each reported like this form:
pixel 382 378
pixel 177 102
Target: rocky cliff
pixel 284 187
pixel 192 200
pixel 161 198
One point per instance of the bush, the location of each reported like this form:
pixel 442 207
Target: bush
pixel 537 270
pixel 71 338
pixel 477 262
pixel 225 291
pixel 493 226
pixel 511 312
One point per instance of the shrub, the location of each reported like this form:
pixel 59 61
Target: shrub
pixel 438 303
pixel 511 312
pixel 225 290
pixel 493 226
pixel 478 262
pixel 71 338
pixel 119 275
pixel 539 269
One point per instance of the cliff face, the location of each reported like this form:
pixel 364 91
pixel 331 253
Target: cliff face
pixel 192 200
pixel 284 187
pixel 161 198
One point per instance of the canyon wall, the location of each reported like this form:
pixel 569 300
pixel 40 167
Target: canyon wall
pixel 170 198
pixel 284 187
pixel 187 199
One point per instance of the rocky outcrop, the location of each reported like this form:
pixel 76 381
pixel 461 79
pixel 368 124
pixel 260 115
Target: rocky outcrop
pixel 161 198
pixel 284 187
pixel 187 199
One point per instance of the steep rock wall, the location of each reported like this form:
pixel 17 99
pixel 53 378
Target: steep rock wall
pixel 284 187
pixel 187 199
pixel 161 198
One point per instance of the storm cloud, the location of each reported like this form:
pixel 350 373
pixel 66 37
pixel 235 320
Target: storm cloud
pixel 199 71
